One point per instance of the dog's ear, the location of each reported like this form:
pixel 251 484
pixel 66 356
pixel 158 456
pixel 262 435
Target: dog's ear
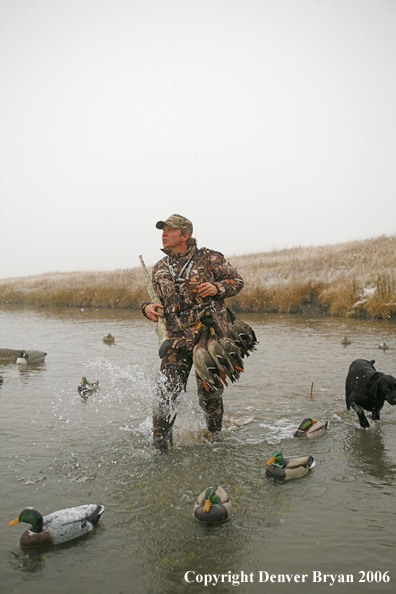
pixel 374 384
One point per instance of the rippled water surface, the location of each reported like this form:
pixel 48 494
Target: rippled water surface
pixel 59 450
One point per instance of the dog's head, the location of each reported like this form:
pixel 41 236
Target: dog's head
pixel 387 385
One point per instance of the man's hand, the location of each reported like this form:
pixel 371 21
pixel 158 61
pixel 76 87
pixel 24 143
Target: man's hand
pixel 152 313
pixel 207 290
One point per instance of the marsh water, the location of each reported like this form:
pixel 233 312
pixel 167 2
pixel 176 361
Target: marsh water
pixel 59 450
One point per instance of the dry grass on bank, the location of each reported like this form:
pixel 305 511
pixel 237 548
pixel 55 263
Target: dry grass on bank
pixel 119 289
pixel 355 278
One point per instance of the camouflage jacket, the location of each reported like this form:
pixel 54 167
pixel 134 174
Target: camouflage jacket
pixel 182 304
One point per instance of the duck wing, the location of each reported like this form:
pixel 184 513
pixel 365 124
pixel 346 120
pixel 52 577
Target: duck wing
pixel 246 334
pixel 205 367
pixel 35 356
pixel 318 429
pixel 233 353
pixel 220 358
pixel 66 524
pixel 297 461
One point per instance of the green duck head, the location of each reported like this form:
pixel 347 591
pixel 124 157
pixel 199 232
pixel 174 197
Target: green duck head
pixel 277 458
pixel 30 516
pixel 84 380
pixel 306 424
pixel 207 319
pixel 210 498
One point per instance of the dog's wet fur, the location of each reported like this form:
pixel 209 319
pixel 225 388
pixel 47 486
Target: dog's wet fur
pixel 366 389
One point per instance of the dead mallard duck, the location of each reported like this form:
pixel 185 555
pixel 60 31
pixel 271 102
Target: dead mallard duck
pixel 204 365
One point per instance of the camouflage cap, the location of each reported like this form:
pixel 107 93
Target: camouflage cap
pixel 177 222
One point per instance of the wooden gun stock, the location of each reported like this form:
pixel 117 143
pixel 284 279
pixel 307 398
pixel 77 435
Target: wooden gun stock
pixel 163 339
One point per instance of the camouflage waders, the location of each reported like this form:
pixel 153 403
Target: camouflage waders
pixel 175 369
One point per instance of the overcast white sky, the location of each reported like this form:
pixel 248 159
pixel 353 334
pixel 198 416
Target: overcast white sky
pixel 268 123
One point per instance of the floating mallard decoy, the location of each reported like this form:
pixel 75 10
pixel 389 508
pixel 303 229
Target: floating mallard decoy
pixel 85 387
pixel 59 526
pixel 311 428
pixel 383 346
pixel 213 505
pixel 109 339
pixel 288 468
pixel 345 341
pixel 31 357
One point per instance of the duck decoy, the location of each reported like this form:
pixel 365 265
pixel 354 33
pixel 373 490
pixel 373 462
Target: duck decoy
pixel 59 526
pixel 9 355
pixel 31 357
pixel 204 365
pixel 287 468
pixel 109 339
pixel 311 428
pixel 85 387
pixel 383 346
pixel 345 341
pixel 213 505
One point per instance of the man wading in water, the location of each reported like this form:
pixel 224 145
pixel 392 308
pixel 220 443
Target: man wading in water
pixel 188 281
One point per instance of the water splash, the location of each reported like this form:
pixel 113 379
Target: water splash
pixel 279 430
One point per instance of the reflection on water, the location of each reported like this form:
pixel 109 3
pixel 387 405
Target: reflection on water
pixel 369 454
pixel 59 450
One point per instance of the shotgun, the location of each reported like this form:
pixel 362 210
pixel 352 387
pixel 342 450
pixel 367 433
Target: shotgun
pixel 163 339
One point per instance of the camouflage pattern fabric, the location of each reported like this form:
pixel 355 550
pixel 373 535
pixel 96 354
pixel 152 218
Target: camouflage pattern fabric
pixel 183 310
pixel 175 369
pixel 177 222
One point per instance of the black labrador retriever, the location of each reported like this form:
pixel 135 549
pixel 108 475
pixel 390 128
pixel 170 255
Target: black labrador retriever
pixel 366 388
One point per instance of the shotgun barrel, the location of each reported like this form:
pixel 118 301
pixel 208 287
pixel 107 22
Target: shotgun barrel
pixel 163 338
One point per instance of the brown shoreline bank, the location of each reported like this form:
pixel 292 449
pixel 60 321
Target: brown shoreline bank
pixel 356 278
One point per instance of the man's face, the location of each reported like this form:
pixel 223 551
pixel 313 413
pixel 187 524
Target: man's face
pixel 174 239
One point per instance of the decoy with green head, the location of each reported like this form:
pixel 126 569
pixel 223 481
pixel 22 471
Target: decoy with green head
pixel 213 505
pixel 287 468
pixel 59 526
pixel 311 428
pixel 85 387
